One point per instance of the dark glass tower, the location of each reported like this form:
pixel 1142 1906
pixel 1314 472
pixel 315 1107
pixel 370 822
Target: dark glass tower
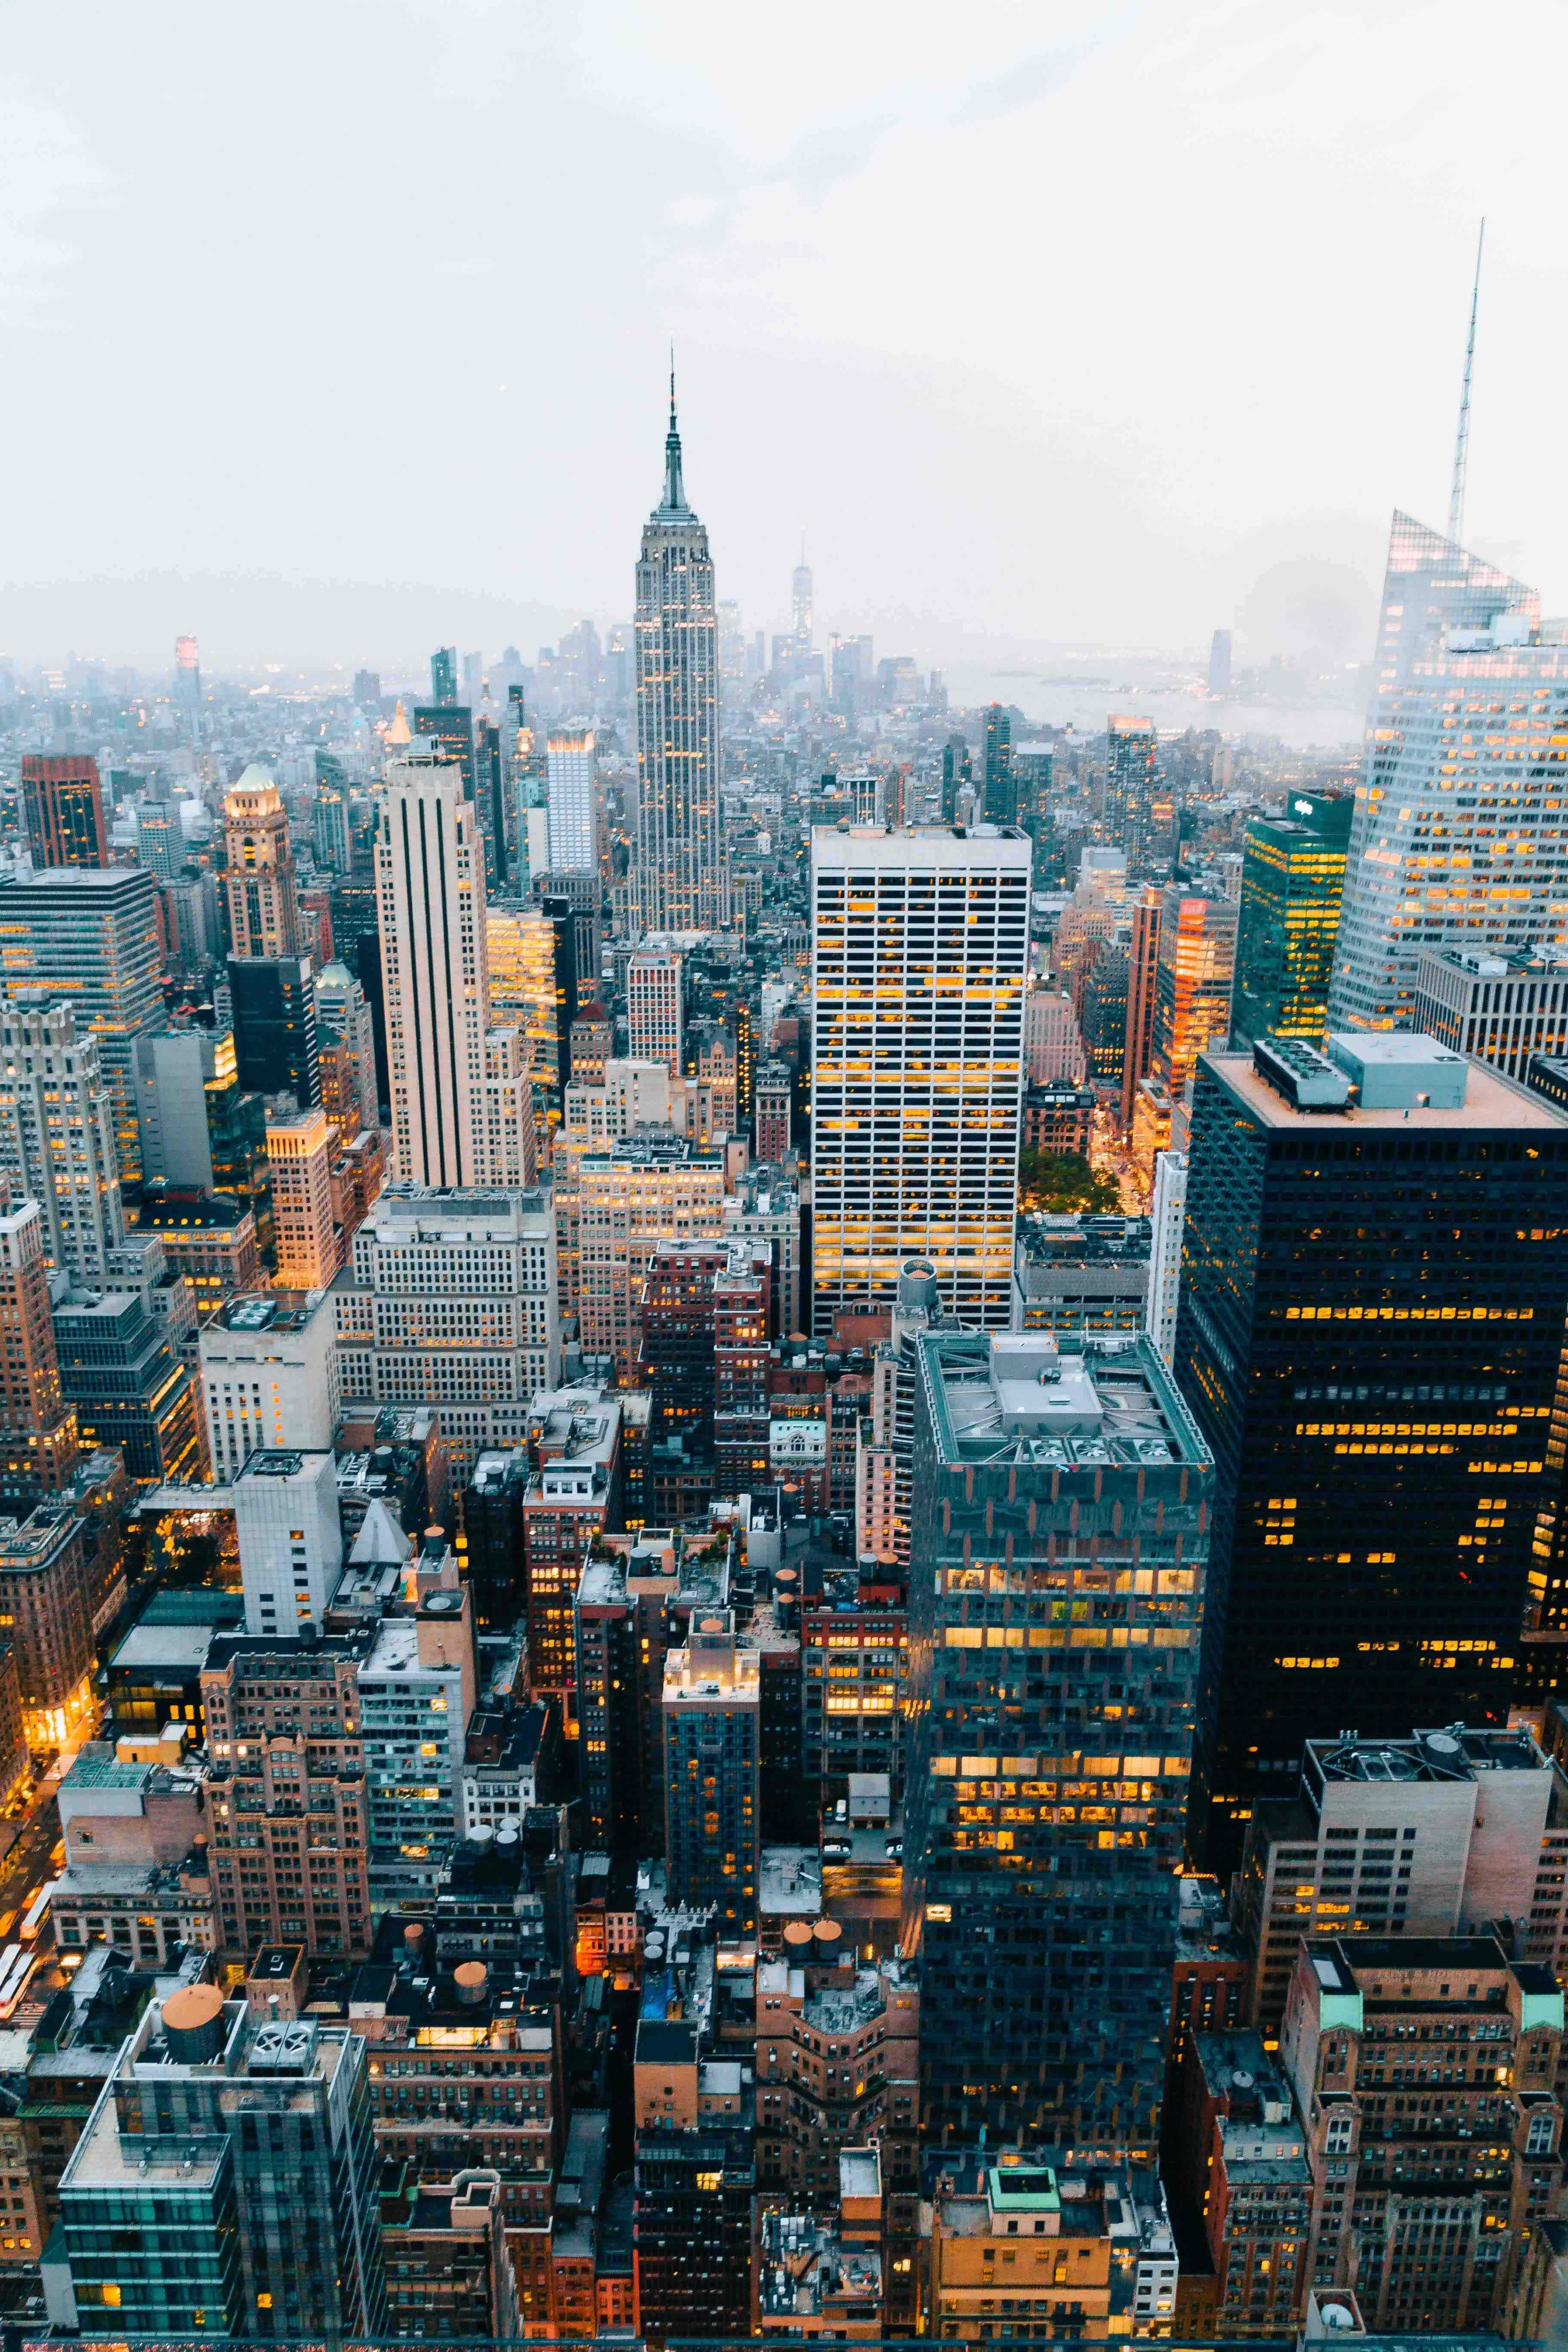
pixel 1001 785
pixel 1372 1313
pixel 1060 1537
pixel 274 1000
pixel 1292 880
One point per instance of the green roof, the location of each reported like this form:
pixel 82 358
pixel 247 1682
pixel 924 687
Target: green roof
pixel 1023 2188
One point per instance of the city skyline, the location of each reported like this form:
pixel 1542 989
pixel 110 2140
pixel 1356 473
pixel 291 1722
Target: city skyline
pixel 770 185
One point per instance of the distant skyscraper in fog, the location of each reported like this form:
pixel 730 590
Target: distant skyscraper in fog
pixel 678 882
pixel 800 588
pixel 444 677
pixel 1219 662
pixel 1130 749
pixel 187 673
pixel 1001 789
pixel 1451 787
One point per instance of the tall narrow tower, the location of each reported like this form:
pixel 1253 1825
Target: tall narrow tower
pixel 679 882
pixel 263 909
pixel 800 598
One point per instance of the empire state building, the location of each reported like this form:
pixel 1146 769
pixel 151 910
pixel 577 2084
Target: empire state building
pixel 679 883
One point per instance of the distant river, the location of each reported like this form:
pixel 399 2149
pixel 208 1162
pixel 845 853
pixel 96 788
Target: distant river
pixel 1059 702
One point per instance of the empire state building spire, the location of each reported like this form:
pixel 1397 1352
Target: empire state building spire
pixel 674 489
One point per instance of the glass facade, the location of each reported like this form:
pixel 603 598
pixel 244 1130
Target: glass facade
pixel 1369 1332
pixel 1053 1659
pixel 1192 980
pixel 1131 753
pixel 1461 834
pixel 1292 882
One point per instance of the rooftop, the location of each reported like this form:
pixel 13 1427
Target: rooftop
pixel 1020 1397
pixel 1491 1102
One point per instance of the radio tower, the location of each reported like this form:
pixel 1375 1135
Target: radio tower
pixel 1462 445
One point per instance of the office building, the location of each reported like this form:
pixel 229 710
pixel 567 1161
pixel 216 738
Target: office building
pixel 532 952
pixel 1101 985
pixel 1061 1506
pixel 200 1130
pixel 290 1542
pixel 273 1005
pixel 1143 984
pixel 1427 2209
pixel 1080 1273
pixel 921 947
pixel 88 936
pixel 1441 1833
pixel 1377 1396
pixel 999 799
pixel 1292 881
pixel 259 875
pixel 342 1011
pixel 633 1195
pixel 38 1444
pixel 44 1594
pixel 226 2183
pixel 444 675
pixel 309 1243
pixel 1053 1049
pixel 127 1386
pixel 678 878
pixel 288 1805
pixel 1167 1219
pixel 267 1363
pixel 711 1753
pixel 57 1140
pixel 330 828
pixel 1219 662
pixel 1131 754
pixel 1191 982
pixel 774 1088
pixel 654 1022
pixel 159 843
pixel 62 809
pixel 1505 1009
pixel 1458 838
pixel 572 783
pixel 450 1301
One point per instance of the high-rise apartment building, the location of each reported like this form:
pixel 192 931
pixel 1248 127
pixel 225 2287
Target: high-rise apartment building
pixel 572 783
pixel 88 935
pixel 259 877
pixel 1292 882
pixel 226 2183
pixel 1062 1504
pixel 62 809
pixel 1192 982
pixel 631 1197
pixel 451 1302
pixel 309 1241
pixel 1373 1291
pixel 711 1759
pixel 654 1017
pixel 677 879
pixel 38 1444
pixel 999 803
pixel 1132 756
pixel 57 1140
pixel 1460 829
pixel 920 948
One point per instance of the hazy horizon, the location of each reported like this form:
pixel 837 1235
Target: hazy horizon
pixel 335 344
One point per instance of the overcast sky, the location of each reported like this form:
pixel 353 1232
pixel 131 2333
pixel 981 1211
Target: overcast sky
pixel 1050 321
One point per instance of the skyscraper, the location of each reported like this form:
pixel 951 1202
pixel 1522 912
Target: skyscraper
pixel 1460 829
pixel 1219 662
pixel 273 999
pixel 678 882
pixel 444 677
pixel 711 1761
pixel 88 935
pixel 57 1134
pixel 571 774
pixel 37 1429
pixel 1369 1330
pixel 800 601
pixel 187 674
pixel 263 903
pixel 654 1007
pixel 309 1244
pixel 436 970
pixel 1001 796
pixel 62 804
pixel 920 949
pixel 1131 748
pixel 1050 1730
pixel 1292 882
pixel 1192 983
pixel 1142 979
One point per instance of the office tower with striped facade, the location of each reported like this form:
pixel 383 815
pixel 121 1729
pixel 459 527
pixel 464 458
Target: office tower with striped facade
pixel 919 952
pixel 462 1106
pixel 678 881
pixel 1460 833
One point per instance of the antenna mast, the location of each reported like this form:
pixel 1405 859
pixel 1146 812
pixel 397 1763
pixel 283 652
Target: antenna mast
pixel 1462 443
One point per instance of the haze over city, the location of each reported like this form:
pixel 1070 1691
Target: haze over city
pixel 1060 327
